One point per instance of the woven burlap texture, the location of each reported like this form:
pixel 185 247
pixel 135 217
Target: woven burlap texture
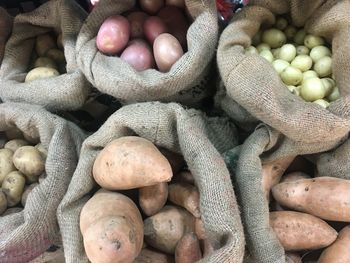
pixel 185 82
pixel 27 234
pixel 245 162
pixel 5 29
pixel 65 92
pixel 252 82
pixel 183 131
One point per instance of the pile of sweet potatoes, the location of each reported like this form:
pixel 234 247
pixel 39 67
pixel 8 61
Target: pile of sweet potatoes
pixel 142 213
pixel 306 211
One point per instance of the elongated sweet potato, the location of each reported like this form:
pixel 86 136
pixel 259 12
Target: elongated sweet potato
pixel 186 196
pixel 166 228
pixel 188 249
pixel 300 231
pixel 151 256
pixel 325 197
pixel 199 229
pixel 272 173
pixel 112 228
pixel 339 251
pixel 153 198
pixel 130 162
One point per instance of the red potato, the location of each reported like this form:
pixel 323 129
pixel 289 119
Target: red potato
pixel 151 256
pixel 151 6
pixel 272 173
pixel 113 35
pixel 130 162
pixel 138 55
pixel 177 3
pixel 186 196
pixel 291 177
pixel 176 160
pixel 185 177
pixel 188 249
pixel 176 22
pixel 153 27
pixel 112 228
pixel 164 230
pixel 325 197
pixel 300 231
pixel 167 50
pixel 153 198
pixel 339 251
pixel 136 20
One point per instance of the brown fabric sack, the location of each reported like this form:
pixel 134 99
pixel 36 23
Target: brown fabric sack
pixel 252 82
pixel 65 92
pixel 27 234
pixel 185 82
pixel 5 30
pixel 171 127
pixel 245 162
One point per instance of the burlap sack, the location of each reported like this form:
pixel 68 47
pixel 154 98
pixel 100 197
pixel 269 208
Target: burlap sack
pixel 67 91
pixel 245 163
pixel 5 30
pixel 27 234
pixel 185 82
pixel 252 82
pixel 183 131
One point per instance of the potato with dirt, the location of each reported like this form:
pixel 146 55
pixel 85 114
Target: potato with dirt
pixel 14 144
pixel 130 162
pixel 6 164
pixel 324 197
pixel 188 249
pixel 299 231
pixel 112 228
pixel 164 230
pixel 339 251
pixel 13 187
pixel 186 196
pixel 29 161
pixel 153 198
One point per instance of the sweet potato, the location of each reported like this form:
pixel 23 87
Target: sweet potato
pixel 199 229
pixel 166 228
pixel 300 231
pixel 294 176
pixel 339 251
pixel 112 228
pixel 130 162
pixel 188 249
pixel 272 173
pixel 186 196
pixel 153 198
pixel 151 256
pixel 325 197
